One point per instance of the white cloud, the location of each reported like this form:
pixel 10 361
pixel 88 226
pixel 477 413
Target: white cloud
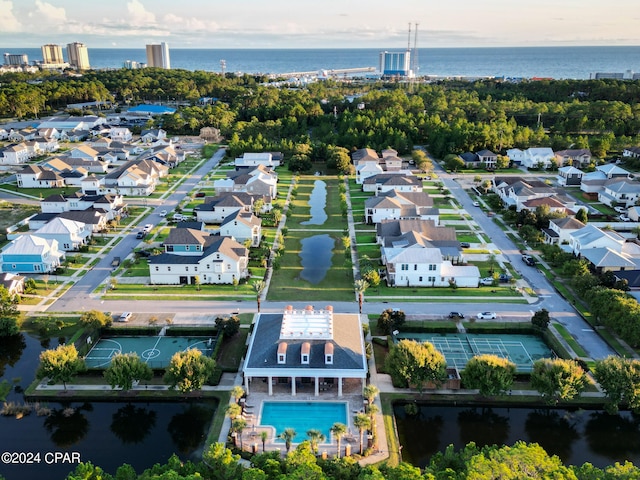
pixel 138 15
pixel 49 12
pixel 189 24
pixel 9 21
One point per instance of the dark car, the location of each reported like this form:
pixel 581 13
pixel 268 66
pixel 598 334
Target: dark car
pixel 141 234
pixel 465 244
pixel 504 278
pixel 456 315
pixel 529 260
pixel 201 194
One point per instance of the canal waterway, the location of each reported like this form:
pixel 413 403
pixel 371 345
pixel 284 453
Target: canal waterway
pixel 106 434
pixel 576 436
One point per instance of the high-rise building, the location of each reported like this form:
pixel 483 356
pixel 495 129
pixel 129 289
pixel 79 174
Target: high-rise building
pixel 78 56
pixel 52 54
pixel 396 64
pixel 16 59
pixel 158 55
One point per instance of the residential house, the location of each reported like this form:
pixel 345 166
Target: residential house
pixel 488 159
pixel 13 283
pixel 593 182
pixel 569 176
pixel 136 177
pixel 112 205
pixel 591 236
pixel 193 253
pixel 33 176
pixel 631 152
pixel 386 182
pixel 397 205
pixel 49 133
pixel 121 134
pixel 620 192
pixel 254 159
pixel 84 152
pixel 256 181
pixel 367 169
pixel 310 350
pixel 69 234
pixel 606 259
pixel 164 154
pixel 152 135
pixel 514 191
pixel 94 218
pixel 578 158
pixel 16 154
pixel 242 226
pixel 634 213
pixel 560 229
pixel 216 209
pixel 31 254
pixel 417 266
pixel 470 159
pixel 537 158
pixel 555 204
pixel 4 134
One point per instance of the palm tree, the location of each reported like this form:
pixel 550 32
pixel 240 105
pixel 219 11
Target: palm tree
pixel 362 422
pixel 237 392
pixel 288 435
pixel 263 436
pixel 372 409
pixel 360 286
pixel 338 430
pixel 237 425
pixel 233 411
pixel 315 437
pixel 370 392
pixel 258 287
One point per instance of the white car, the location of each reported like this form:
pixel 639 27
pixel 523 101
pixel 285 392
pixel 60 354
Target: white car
pixel 476 204
pixel 124 317
pixel 487 316
pixel 147 228
pixel 624 218
pixel 487 281
pixel 163 213
pixel 620 209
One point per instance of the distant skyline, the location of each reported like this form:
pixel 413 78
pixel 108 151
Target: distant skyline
pixel 324 24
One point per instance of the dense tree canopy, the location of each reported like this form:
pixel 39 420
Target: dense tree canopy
pixel 125 369
pixel 61 364
pixel 558 379
pixel 189 370
pixel 490 374
pixel 415 363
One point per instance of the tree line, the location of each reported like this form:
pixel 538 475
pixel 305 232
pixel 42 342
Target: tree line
pixel 450 117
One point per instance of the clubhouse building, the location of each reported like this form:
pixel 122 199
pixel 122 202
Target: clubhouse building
pixel 306 351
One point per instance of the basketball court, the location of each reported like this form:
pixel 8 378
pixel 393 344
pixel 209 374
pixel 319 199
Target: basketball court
pixel 154 351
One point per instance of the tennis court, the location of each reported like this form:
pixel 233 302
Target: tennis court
pixel 155 351
pixel 458 348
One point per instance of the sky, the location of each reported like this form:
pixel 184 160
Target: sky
pixel 318 24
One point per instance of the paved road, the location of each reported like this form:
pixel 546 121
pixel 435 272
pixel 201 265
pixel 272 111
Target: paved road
pixel 558 307
pixel 78 295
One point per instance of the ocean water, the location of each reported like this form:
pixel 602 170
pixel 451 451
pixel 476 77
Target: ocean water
pixel 526 62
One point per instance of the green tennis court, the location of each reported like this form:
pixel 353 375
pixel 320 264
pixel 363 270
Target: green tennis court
pixel 155 351
pixel 458 348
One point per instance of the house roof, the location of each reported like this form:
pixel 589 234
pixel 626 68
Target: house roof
pixel 573 153
pixel 186 236
pixel 606 258
pixel 347 343
pixel 245 218
pixel 393 179
pixel 568 223
pixel 213 244
pixel 570 170
pixel 61 225
pixel 30 245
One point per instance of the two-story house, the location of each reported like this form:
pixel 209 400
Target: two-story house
pixel 242 226
pixel 560 229
pixel 397 205
pixel 31 254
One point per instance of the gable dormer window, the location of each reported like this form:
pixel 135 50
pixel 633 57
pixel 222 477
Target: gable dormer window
pixel 282 353
pixel 305 352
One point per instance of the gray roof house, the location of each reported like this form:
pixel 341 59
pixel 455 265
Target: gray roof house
pixel 306 350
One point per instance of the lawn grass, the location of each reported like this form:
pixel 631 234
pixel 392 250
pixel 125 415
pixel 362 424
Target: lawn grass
pixel 579 351
pixel 416 293
pixel 232 350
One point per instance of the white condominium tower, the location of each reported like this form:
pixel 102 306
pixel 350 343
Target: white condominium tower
pixel 52 54
pixel 78 56
pixel 158 55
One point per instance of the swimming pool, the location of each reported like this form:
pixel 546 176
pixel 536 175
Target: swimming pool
pixel 303 416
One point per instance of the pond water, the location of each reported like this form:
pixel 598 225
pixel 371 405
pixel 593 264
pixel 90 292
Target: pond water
pixel 106 434
pixel 317 202
pixel 315 257
pixel 576 436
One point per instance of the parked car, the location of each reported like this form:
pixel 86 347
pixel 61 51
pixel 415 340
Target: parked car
pixel 141 234
pixel 476 204
pixel 147 228
pixel 456 315
pixel 504 278
pixel 486 281
pixel 465 244
pixel 529 260
pixel 124 317
pixel 624 218
pixel 620 209
pixel 487 316
pixel 163 213
pixel 201 194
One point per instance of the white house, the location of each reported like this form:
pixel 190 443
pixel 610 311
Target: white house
pixel 386 182
pixel 85 152
pixel 540 157
pixel 619 191
pixel 33 176
pixel 424 267
pixel 560 230
pixel 569 176
pixel 396 205
pixel 256 181
pixel 242 227
pixel 121 134
pixel 315 350
pixel 254 159
pixel 15 154
pixel 594 237
pixel 216 209
pixel 192 253
pixel 69 234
